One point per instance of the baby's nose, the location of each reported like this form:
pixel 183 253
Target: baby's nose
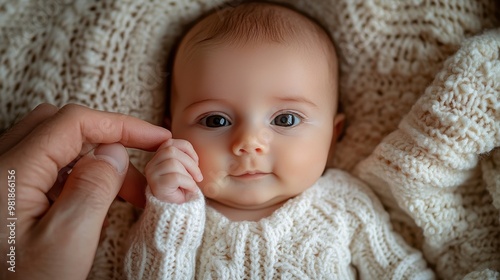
pixel 252 143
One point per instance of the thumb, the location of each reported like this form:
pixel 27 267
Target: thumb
pixel 76 217
pixel 96 179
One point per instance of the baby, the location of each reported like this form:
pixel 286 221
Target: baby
pixel 241 192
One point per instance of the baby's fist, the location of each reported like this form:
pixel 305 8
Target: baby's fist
pixel 172 172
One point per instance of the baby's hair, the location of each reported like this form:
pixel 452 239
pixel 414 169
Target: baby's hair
pixel 240 23
pixel 254 21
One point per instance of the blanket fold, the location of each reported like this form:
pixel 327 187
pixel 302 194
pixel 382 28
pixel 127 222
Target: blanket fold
pixel 440 164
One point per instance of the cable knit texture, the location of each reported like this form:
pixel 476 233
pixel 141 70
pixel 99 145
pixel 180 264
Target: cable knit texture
pixel 437 174
pixel 337 229
pixel 164 242
pixel 431 163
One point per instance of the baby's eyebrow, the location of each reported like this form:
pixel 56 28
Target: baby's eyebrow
pixel 297 99
pixel 203 101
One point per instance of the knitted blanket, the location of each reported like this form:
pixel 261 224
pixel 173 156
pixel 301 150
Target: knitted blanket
pixel 419 84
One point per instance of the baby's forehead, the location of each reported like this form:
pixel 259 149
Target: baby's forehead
pixel 256 23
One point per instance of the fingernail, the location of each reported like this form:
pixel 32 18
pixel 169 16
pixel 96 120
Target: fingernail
pixel 200 176
pixel 114 154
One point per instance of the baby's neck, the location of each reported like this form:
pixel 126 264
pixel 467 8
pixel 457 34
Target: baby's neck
pixel 237 214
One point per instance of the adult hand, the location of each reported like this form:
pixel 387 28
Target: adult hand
pixel 59 241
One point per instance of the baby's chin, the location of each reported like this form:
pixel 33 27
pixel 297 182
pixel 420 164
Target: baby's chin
pixel 246 210
pixel 249 203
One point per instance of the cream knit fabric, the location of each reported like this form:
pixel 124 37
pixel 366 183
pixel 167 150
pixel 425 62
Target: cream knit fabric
pixel 337 229
pixel 111 55
pixel 440 165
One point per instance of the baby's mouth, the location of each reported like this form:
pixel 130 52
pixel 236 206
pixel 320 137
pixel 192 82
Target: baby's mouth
pixel 253 174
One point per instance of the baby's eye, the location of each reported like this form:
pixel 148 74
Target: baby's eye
pixel 287 120
pixel 214 121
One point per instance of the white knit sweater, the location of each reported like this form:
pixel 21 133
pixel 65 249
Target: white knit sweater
pixel 336 229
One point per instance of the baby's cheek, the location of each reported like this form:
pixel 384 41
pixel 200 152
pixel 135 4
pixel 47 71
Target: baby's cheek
pixel 300 168
pixel 214 173
pixel 215 184
pixel 209 189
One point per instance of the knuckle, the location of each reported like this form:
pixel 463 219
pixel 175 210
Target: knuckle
pixel 169 152
pixel 181 142
pixel 45 107
pixel 175 164
pixel 70 109
pixel 186 144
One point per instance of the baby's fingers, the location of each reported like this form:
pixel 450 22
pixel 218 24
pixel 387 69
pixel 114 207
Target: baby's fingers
pixel 182 145
pixel 182 151
pixel 173 187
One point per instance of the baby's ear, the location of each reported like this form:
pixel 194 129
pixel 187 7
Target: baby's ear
pixel 338 132
pixel 167 123
pixel 338 127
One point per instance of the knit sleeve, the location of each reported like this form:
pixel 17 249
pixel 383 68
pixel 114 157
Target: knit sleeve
pixel 431 164
pixel 165 240
pixel 377 251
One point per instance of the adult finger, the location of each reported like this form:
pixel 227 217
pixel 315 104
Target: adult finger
pixel 81 208
pixel 22 128
pixel 57 141
pixel 134 187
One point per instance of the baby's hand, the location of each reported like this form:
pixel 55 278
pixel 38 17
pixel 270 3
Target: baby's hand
pixel 172 172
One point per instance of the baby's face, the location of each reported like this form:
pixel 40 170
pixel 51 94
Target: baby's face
pixel 260 118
